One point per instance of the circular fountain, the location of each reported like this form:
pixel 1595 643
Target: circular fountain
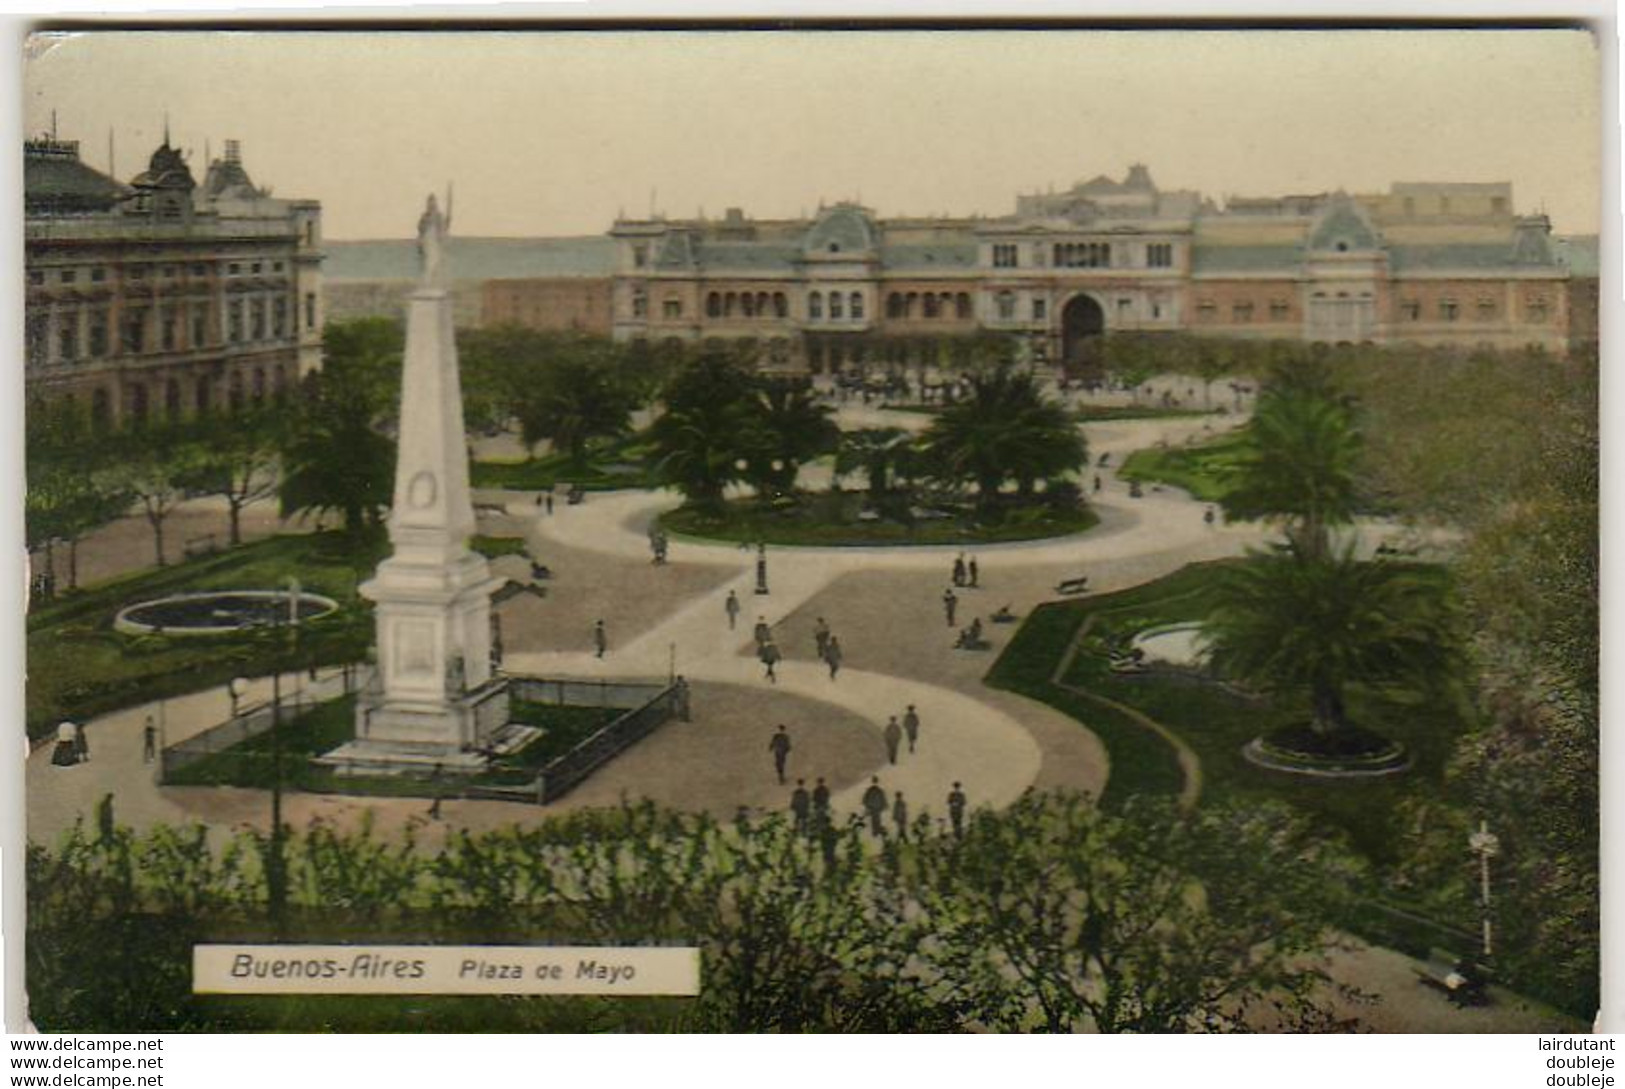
pixel 221 612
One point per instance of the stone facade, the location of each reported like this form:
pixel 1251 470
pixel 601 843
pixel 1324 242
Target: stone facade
pixel 580 305
pixel 1443 264
pixel 161 298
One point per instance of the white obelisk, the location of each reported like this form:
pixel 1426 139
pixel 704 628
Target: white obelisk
pixel 430 701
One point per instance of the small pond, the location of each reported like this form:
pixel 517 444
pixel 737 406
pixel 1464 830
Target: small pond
pixel 1183 645
pixel 220 612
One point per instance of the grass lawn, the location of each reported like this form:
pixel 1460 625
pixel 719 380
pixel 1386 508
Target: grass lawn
pixel 251 763
pixel 1206 471
pixel 616 463
pixel 79 667
pixel 492 547
pixel 1214 722
pixel 831 519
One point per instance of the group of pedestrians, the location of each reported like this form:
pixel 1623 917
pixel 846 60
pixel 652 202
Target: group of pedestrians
pixel 876 806
pixel 829 646
pixel 895 733
pixel 809 810
pixel 965 573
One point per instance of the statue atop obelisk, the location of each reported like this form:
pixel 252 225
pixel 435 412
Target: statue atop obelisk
pixel 434 700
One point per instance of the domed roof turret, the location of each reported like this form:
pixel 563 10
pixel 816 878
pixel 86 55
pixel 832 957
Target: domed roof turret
pixel 166 169
pixel 845 228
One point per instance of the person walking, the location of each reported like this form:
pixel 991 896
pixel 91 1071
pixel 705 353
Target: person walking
pixel 821 635
pixel 899 815
pixel 972 573
pixel 893 734
pixel 81 745
pixel 832 655
pixel 770 658
pixel 801 807
pixel 911 726
pixel 956 810
pixel 959 570
pixel 950 602
pixel 1208 516
pixel 820 803
pixel 1097 483
pixel 549 498
pixel 779 746
pixel 731 607
pixel 600 638
pixel 762 632
pixel 874 804
pixel 149 741
pixel 680 699
pixel 434 785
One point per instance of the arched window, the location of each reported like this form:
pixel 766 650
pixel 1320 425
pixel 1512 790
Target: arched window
pixel 857 305
pixel 781 305
pixel 815 305
pixel 962 306
pixel 835 305
pixel 713 305
pixel 931 306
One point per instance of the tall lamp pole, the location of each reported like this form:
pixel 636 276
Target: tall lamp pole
pixel 1484 844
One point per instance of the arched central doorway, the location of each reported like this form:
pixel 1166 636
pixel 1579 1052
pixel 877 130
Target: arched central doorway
pixel 1082 323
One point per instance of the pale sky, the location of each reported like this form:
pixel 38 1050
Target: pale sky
pixel 554 133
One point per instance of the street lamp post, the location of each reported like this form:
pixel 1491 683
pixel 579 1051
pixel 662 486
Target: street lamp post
pixel 1486 846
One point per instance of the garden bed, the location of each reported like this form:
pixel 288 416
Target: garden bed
pixel 845 519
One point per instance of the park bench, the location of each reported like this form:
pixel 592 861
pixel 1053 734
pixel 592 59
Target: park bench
pixel 1456 976
pixel 499 509
pixel 193 547
pixel 1073 586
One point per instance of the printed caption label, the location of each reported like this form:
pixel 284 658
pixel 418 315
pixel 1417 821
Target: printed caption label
pixel 445 969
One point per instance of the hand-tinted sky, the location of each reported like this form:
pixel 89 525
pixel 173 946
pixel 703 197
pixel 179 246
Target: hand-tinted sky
pixel 552 134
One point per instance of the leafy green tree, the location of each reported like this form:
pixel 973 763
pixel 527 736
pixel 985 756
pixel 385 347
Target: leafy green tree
pixel 238 457
pixel 1006 428
pixel 1316 625
pixel 578 397
pixel 1056 917
pixel 335 459
pixel 69 487
pixel 156 465
pixel 709 429
pixel 1300 461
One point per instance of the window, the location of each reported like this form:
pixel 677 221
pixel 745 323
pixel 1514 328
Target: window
pixel 1447 309
pixel 894 305
pixel 68 338
pixel 1486 308
pixel 276 266
pixel 279 317
pixel 856 305
pixel 134 334
pixel 1205 310
pixel 671 309
pixel 640 304
pixel 255 267
pixel 1083 255
pixel 933 308
pixel 1005 255
pixel 1241 312
pixel 815 305
pixel 36 336
pixel 713 305
pixel 98 275
pixel 1411 309
pixel 1156 309
pixel 640 255
pixel 200 269
pixel 200 327
pixel 234 269
pixel 1159 255
pixel 1538 309
pixel 256 314
pixel 310 310
pixel 171 271
pixel 1007 305
pixel 70 276
pixel 1040 309
pixel 234 321
pixel 1280 310
pixel 962 306
pixel 781 304
pixel 747 305
pixel 136 274
pixel 98 334
pixel 834 305
pixel 168 323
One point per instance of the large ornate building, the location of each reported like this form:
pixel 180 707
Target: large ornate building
pixel 162 298
pixel 1429 263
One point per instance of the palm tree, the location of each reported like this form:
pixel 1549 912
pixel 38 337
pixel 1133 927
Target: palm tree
pixel 1318 624
pixel 876 451
pixel 1005 429
pixel 1299 462
pixel 710 427
pixel 796 428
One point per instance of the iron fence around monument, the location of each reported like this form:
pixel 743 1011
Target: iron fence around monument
pixel 565 692
pixel 564 773
pixel 256 720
